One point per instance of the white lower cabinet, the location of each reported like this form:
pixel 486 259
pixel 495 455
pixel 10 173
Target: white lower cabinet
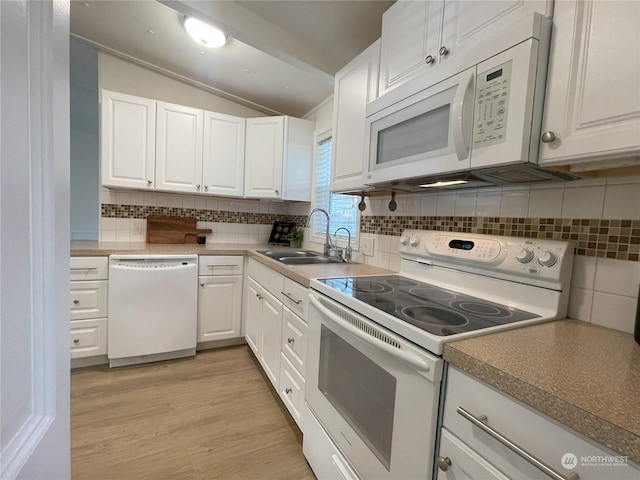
pixel 275 331
pixel 88 306
pixel 219 298
pixel 468 450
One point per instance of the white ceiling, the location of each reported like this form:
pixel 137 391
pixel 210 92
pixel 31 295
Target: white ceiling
pixel 281 56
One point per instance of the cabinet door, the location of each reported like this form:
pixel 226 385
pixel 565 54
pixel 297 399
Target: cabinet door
pixel 465 463
pixel 468 25
pixel 252 313
pixel 263 157
pixel 219 312
pixel 179 148
pixel 410 35
pixel 223 155
pixel 592 104
pixel 355 86
pixel 127 140
pixel 270 335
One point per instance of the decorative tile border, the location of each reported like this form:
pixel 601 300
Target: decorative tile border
pixel 619 239
pixel 109 210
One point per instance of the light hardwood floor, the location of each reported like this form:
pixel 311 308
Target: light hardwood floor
pixel 214 416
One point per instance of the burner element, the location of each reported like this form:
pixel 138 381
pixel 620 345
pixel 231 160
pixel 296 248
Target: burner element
pixel 434 316
pixel 368 286
pixel 432 293
pixel 481 309
pixel 401 282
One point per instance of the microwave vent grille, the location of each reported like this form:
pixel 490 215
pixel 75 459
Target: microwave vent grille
pixel 360 325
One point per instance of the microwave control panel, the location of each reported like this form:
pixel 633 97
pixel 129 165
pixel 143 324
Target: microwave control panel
pixel 492 106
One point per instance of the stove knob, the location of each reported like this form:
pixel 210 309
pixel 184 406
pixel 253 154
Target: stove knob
pixel 404 240
pixel 414 241
pixel 547 259
pixel 525 256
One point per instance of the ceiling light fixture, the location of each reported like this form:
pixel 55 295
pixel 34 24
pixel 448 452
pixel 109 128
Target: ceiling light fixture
pixel 204 34
pixel 444 184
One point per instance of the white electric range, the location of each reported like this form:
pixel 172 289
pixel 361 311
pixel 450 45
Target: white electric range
pixel 374 343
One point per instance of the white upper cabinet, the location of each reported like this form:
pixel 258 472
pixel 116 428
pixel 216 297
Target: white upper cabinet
pixel 223 155
pixel 592 106
pixel 278 158
pixel 420 37
pixel 355 86
pixel 127 141
pixel 179 132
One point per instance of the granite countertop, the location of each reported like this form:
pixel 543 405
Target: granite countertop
pixel 301 274
pixel 584 376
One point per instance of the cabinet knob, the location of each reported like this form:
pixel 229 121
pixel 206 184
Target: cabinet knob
pixel 444 51
pixel 429 59
pixel 202 284
pixel 548 136
pixel 198 186
pixel 149 182
pixel 206 188
pixel 290 340
pixel 443 463
pixel 277 192
pixel 287 390
pixel 76 341
pixel 76 302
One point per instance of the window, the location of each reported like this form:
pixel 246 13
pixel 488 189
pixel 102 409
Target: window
pixel 343 209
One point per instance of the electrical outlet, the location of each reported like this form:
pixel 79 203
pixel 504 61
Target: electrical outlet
pixel 136 228
pixel 366 246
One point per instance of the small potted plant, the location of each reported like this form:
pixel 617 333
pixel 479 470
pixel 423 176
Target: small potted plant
pixel 295 237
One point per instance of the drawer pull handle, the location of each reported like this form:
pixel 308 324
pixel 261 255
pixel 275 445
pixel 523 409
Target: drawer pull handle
pixel 211 265
pixel 287 390
pixel 543 467
pixel 76 341
pixel 76 302
pixel 443 463
pixel 83 269
pixel 288 295
pixel 290 340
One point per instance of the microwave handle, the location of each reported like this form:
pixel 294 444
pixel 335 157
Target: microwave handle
pixel 462 108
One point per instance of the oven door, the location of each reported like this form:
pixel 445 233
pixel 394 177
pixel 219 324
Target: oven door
pixel 427 133
pixel 375 394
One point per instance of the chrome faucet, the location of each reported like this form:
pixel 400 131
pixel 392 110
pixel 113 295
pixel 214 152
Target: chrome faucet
pixel 347 253
pixel 327 243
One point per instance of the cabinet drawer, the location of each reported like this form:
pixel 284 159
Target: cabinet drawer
pixel 292 389
pixel 294 340
pixel 294 296
pixel 465 463
pixel 272 281
pixel 89 299
pixel 89 268
pixel 88 338
pixel 541 436
pixel 220 265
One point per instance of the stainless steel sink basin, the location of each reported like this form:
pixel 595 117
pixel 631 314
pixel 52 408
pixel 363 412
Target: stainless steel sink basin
pixel 307 260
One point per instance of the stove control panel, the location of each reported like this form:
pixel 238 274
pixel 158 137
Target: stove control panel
pixel 478 249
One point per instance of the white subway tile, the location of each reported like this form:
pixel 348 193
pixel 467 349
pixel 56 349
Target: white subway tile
pixel 243 238
pixel 514 203
pixel 123 235
pixel 243 228
pixel 188 201
pixel 123 198
pixel 382 259
pixel 546 203
pixel 580 303
pixel 394 262
pixel 466 204
pixel 138 238
pixel 428 205
pixel 108 236
pixel 150 199
pixel 164 200
pixel 233 238
pixel 384 243
pixel 488 203
pixel 584 272
pixel 583 202
pixel 613 311
pixel 200 203
pixel 622 201
pixel 412 205
pixel 176 201
pixel 108 223
pixel 264 207
pixel 401 206
pixel 123 224
pixel 620 277
pixel 446 205
pixel 137 198
pixel 212 204
pixel 221 237
pixel 108 196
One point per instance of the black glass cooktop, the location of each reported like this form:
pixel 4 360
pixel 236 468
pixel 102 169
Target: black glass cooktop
pixel 433 309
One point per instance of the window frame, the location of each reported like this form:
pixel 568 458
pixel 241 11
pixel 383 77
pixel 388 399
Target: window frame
pixel 342 239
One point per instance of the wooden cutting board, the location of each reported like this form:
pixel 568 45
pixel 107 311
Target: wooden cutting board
pixel 173 230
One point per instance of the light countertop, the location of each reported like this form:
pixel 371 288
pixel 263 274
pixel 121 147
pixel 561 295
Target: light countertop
pixel 298 273
pixel 585 376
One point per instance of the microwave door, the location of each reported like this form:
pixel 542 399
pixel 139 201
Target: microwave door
pixel 426 134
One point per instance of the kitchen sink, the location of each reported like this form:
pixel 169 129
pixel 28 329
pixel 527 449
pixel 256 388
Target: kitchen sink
pixel 298 257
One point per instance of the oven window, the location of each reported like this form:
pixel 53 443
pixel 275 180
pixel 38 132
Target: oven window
pixel 360 390
pixel 416 136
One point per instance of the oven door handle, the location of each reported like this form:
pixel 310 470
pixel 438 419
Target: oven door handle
pixel 407 357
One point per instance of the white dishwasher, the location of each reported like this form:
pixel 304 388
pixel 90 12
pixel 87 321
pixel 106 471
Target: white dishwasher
pixel 153 308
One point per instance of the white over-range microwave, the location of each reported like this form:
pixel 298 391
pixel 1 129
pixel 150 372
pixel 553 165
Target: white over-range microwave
pixel 480 126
